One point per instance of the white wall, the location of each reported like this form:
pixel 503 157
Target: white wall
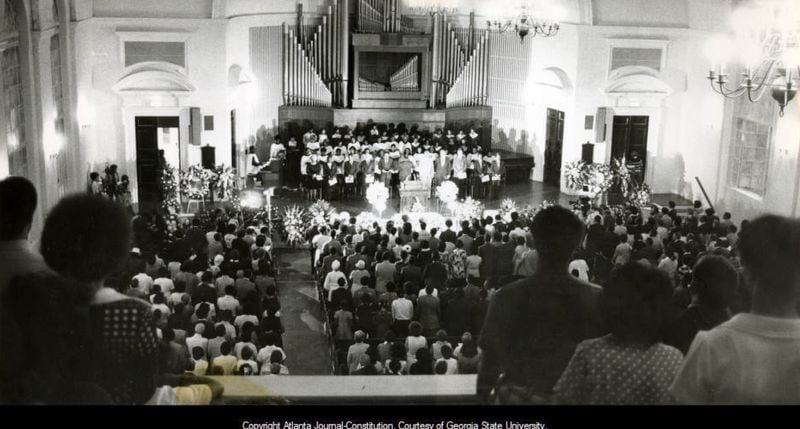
pixel 783 177
pixel 106 135
pixel 641 13
pixel 153 9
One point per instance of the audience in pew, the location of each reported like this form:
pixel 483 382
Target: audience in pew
pixel 467 299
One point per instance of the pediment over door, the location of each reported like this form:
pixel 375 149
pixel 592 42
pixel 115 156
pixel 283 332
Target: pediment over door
pixel 154 78
pixel 553 77
pixel 637 81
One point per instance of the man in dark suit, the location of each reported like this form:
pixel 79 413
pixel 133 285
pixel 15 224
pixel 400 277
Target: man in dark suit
pixel 433 242
pixel 436 272
pixel 498 224
pixel 327 262
pixel 504 258
pixel 425 256
pixel 534 324
pixel 488 254
pixel 459 314
pixel 205 291
pixel 448 234
pixel 594 237
pixel 428 310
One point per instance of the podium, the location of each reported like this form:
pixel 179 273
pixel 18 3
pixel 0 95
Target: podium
pixel 412 191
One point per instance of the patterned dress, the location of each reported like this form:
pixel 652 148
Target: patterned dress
pixel 606 371
pixel 124 359
pixel 458 263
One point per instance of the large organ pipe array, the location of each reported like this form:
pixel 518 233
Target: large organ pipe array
pixel 370 16
pixel 471 88
pixel 459 77
pixel 406 78
pixel 302 85
pixel 379 16
pixel 447 60
pixel 325 54
pixel 366 85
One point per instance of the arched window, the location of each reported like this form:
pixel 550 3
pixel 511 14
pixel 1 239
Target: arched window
pixel 55 73
pixel 13 115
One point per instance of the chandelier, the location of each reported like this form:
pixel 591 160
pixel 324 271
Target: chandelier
pixel 764 52
pixel 524 21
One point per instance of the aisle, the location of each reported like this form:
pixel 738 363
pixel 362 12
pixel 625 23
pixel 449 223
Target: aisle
pixel 304 341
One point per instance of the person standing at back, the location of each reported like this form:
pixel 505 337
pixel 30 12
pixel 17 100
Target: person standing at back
pixel 17 204
pixel 534 324
pixel 86 238
pixel 754 358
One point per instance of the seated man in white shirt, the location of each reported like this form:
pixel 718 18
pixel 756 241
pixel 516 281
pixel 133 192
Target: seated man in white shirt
pixel 145 282
pixel 754 358
pixel 229 301
pixel 197 340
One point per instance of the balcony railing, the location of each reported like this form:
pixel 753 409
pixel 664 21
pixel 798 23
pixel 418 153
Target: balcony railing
pixel 380 389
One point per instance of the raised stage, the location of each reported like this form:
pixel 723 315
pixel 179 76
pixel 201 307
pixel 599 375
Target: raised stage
pixel 294 121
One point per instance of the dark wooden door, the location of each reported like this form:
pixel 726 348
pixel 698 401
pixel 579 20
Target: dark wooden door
pixel 629 140
pixel 553 147
pixel 147 158
pixel 233 139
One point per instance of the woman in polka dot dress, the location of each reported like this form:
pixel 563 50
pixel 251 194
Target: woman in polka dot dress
pixel 630 365
pixel 87 238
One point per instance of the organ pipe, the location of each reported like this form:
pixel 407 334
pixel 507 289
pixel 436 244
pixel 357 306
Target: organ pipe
pixel 471 87
pixel 449 63
pixel 316 68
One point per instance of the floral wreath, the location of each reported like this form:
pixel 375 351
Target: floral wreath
pixel 294 222
pixel 195 182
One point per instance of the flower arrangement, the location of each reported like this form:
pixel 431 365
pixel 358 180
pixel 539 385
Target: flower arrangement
pixel 195 182
pixel 640 197
pixel 170 206
pixel 447 192
pixel 507 206
pixel 600 178
pixel 294 224
pixel 377 194
pixel 577 175
pixel 321 212
pixel 224 182
pixel 623 176
pixel 364 220
pixel 418 207
pixel 469 208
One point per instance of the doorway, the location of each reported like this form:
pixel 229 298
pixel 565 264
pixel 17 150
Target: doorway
pixel 154 133
pixel 553 147
pixel 233 139
pixel 629 141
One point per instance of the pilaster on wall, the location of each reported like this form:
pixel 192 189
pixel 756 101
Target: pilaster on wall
pixel 508 72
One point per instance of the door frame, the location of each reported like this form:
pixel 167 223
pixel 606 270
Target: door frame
pixel 655 149
pixel 129 123
pixel 544 158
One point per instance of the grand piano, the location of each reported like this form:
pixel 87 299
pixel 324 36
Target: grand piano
pixel 518 166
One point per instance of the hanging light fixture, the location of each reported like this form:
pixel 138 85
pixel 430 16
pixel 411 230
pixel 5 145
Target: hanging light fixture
pixel 765 46
pixel 524 20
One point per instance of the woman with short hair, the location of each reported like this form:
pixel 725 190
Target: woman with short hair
pixel 630 365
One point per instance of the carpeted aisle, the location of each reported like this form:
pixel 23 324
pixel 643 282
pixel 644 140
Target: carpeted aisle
pixel 304 339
